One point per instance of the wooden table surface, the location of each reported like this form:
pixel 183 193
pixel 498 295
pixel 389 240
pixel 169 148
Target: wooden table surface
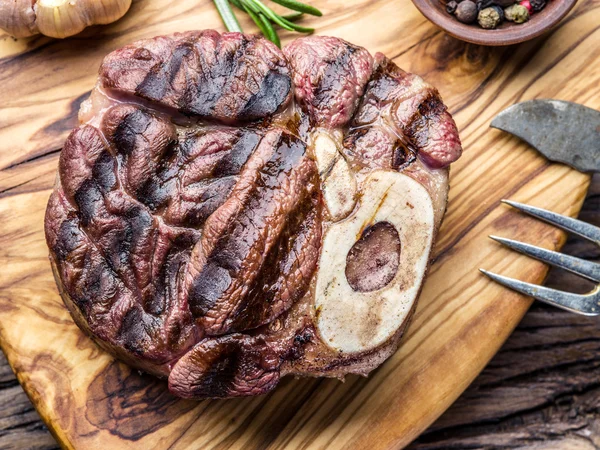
pixel 542 390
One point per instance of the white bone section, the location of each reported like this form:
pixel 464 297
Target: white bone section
pixel 351 321
pixel 338 182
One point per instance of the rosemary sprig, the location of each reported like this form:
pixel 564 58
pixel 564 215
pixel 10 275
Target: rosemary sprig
pixel 263 24
pixel 295 27
pixel 227 15
pixel 265 18
pixel 298 6
pixel 271 33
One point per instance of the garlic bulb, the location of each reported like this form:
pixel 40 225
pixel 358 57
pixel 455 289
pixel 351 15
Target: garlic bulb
pixel 58 18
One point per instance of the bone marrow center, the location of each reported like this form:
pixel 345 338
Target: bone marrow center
pixel 373 260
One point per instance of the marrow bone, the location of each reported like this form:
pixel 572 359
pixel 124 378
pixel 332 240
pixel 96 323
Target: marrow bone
pixel 351 321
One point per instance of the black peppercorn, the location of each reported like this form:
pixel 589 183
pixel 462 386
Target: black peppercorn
pixel 482 4
pixel 503 3
pixel 451 6
pixel 466 11
pixel 500 12
pixel 537 5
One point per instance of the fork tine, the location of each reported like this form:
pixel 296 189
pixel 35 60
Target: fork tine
pixel 588 304
pixel 587 269
pixel 585 230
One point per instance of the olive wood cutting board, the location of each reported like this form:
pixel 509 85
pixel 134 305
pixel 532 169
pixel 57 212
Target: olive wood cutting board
pixel 89 401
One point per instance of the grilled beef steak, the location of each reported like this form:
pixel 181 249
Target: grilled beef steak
pixel 228 213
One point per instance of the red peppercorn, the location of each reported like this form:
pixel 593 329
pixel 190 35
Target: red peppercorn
pixel 527 5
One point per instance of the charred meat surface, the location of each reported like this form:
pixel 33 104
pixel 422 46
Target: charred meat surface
pixel 229 213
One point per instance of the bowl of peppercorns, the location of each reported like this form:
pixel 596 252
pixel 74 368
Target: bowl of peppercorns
pixel 495 22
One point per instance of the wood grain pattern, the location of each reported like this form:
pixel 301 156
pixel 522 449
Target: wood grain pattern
pixel 540 391
pixel 90 401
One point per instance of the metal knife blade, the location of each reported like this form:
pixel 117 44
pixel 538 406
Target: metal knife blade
pixel 562 131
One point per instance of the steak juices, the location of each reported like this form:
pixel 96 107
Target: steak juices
pixel 228 213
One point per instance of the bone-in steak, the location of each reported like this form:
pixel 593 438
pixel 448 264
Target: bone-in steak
pixel 228 213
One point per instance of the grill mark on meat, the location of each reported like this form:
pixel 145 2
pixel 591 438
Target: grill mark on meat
pixel 81 266
pixel 384 80
pixel 232 163
pixel 188 204
pixel 229 71
pixel 329 85
pixel 87 199
pixel 81 150
pixel 133 334
pixel 106 268
pixel 98 288
pixel 142 141
pixel 274 89
pixel 153 193
pixel 68 239
pixel 155 84
pixel 129 128
pixel 213 195
pixel 404 155
pixel 429 112
pixel 201 198
pixel 133 237
pixel 223 78
pixel 235 254
pixel 94 276
pixel 215 278
pixel 210 285
pixel 395 122
pixel 103 172
pixel 278 284
pixel 165 288
pixel 157 189
pixel 212 85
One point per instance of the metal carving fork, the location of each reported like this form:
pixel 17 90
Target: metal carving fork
pixel 586 304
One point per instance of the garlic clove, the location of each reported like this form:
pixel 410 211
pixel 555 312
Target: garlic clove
pixel 17 17
pixel 358 319
pixel 63 18
pixel 338 182
pixel 105 11
pixel 59 18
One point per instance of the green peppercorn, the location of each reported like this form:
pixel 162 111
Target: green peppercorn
pixel 451 6
pixel 466 11
pixel 489 18
pixel 482 4
pixel 517 13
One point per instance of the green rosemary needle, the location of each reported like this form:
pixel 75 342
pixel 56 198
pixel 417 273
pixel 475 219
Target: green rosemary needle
pixel 227 15
pixel 299 6
pixel 264 17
